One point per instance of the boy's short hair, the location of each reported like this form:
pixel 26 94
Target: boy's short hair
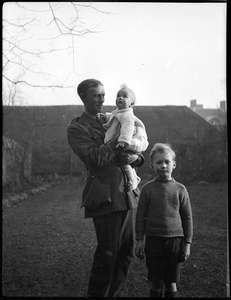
pixel 125 87
pixel 83 87
pixel 161 148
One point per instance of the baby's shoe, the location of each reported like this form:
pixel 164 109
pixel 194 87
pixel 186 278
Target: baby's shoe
pixel 130 185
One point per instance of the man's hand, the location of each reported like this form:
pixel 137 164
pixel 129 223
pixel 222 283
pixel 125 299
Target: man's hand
pixel 139 251
pixel 127 159
pixel 121 145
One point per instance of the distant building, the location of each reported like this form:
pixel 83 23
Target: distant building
pixel 194 105
pixel 215 116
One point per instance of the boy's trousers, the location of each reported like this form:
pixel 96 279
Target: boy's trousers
pixel 113 254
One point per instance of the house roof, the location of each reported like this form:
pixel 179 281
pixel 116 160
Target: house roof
pixel 212 115
pixel 176 124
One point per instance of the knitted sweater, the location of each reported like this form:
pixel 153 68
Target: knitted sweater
pixel 164 210
pixel 124 125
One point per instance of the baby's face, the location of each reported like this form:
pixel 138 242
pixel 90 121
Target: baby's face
pixel 124 99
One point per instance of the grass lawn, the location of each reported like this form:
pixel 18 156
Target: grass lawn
pixel 48 246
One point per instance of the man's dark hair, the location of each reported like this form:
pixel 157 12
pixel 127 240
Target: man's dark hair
pixel 83 87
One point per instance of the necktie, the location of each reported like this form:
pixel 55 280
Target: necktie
pixel 98 120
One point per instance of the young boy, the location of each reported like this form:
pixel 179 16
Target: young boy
pixel 130 131
pixel 164 216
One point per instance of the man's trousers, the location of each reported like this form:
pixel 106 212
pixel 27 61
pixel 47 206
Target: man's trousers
pixel 113 254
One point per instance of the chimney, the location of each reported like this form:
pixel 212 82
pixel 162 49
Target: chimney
pixel 193 103
pixel 223 105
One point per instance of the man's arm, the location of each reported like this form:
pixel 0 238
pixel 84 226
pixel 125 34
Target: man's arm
pixel 90 148
pixel 134 160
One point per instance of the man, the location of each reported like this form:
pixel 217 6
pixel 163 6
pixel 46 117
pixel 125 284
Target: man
pixel 104 197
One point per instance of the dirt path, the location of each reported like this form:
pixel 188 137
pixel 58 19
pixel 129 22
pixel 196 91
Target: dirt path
pixel 48 246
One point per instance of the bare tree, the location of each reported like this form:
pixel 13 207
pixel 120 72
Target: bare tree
pixel 31 32
pixel 11 96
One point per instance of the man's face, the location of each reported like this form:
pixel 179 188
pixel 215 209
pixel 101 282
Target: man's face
pixel 94 100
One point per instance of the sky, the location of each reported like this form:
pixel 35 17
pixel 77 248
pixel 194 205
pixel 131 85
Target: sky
pixel 167 53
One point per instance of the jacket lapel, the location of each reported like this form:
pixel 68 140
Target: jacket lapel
pixel 91 122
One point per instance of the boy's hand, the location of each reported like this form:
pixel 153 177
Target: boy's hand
pixel 186 252
pixel 139 251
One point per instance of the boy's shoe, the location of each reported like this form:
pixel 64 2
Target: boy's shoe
pixel 169 294
pixel 155 294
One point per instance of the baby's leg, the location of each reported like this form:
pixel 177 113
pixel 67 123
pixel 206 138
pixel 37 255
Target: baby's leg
pixel 133 179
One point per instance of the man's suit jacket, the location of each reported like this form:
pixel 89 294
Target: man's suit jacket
pixel 103 192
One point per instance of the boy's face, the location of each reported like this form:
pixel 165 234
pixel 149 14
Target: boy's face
pixel 124 99
pixel 94 99
pixel 163 164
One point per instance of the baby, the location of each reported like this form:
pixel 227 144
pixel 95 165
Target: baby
pixel 130 131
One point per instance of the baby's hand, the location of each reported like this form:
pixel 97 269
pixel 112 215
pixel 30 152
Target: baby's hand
pixel 121 145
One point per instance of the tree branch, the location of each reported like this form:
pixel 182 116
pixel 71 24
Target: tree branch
pixel 36 85
pixel 29 28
